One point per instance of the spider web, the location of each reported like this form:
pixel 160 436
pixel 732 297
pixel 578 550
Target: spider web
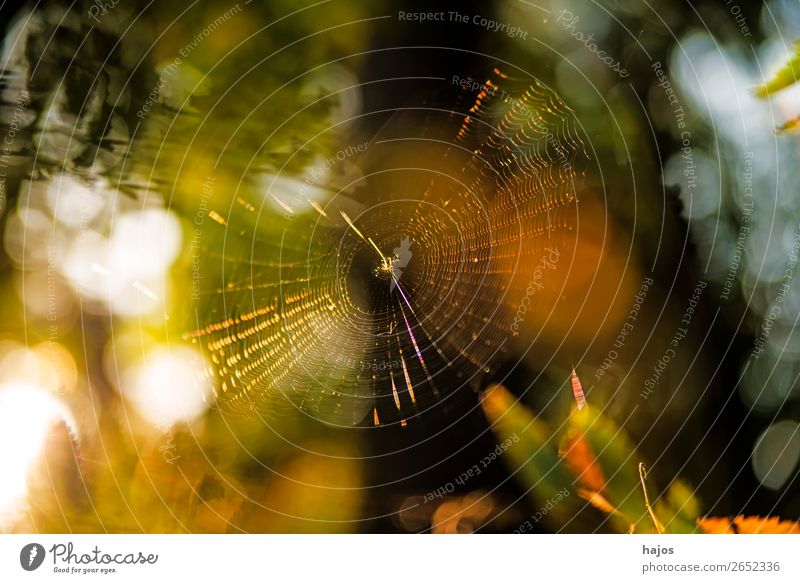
pixel 379 302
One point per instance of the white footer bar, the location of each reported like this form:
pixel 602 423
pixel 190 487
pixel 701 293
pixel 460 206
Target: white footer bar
pixel 388 558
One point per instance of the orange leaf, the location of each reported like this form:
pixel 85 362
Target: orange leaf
pixel 714 525
pixel 788 126
pixel 582 463
pixel 597 500
pixel 748 525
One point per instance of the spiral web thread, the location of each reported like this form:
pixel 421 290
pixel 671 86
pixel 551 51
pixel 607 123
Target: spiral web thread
pixel 378 304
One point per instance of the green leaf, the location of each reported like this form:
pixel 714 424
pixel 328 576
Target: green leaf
pixel 788 75
pixel 679 509
pixel 618 459
pixel 533 452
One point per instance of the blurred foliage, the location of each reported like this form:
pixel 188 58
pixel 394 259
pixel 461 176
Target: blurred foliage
pixel 592 456
pixel 177 483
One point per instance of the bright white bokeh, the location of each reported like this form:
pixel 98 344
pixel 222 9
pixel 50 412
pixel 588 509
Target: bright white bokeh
pixel 144 243
pixel 745 169
pixel 127 270
pixel 293 196
pixel 168 386
pixel 49 366
pixel 72 201
pixel 27 414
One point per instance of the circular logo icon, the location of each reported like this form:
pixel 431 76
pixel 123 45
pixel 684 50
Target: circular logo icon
pixel 31 556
